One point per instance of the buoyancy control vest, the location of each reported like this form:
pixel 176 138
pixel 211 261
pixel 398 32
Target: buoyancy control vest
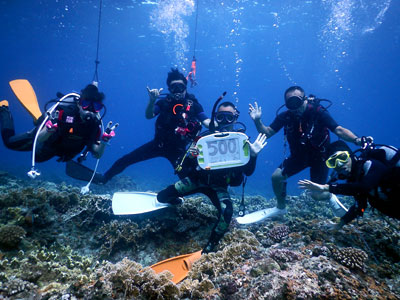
pixel 386 196
pixel 306 130
pixel 73 133
pixel 177 121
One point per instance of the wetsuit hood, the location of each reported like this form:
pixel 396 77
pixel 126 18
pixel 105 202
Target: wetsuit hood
pixel 91 92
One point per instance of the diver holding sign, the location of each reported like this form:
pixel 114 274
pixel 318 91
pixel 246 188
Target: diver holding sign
pixel 218 160
pixel 219 150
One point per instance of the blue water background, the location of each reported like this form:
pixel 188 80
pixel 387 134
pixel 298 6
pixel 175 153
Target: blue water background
pixel 346 51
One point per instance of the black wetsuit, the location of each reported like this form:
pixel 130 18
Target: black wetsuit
pixel 71 137
pixel 307 135
pixel 371 181
pixel 167 142
pixel 214 184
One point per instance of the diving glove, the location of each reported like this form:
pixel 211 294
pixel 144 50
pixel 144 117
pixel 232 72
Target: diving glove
pixel 109 132
pixel 50 126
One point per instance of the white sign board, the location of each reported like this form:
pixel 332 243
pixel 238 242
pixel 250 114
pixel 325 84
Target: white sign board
pixel 223 150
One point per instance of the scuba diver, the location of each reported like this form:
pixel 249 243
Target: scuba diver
pixel 306 126
pixel 214 183
pixel 179 119
pixel 372 176
pixel 72 124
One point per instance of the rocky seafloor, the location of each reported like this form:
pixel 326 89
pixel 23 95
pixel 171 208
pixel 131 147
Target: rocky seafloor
pixel 58 244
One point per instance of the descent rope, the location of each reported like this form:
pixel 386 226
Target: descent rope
pixel 192 74
pixel 96 76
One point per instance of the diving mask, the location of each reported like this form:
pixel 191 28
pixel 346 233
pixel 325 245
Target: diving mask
pixel 294 102
pixel 93 106
pixel 177 90
pixel 177 87
pixel 225 117
pixel 338 159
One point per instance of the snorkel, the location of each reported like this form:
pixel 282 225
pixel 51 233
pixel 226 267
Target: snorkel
pixel 212 124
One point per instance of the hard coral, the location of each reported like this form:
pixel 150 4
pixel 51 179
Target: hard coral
pixel 284 255
pixel 204 289
pixel 118 233
pixel 11 236
pixel 198 210
pixel 63 201
pixel 16 286
pixel 241 244
pixel 278 233
pixel 350 257
pixel 127 280
pixel 264 266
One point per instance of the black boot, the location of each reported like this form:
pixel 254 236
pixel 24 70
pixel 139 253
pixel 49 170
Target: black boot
pixel 6 123
pixel 99 179
pixel 169 195
pixel 217 234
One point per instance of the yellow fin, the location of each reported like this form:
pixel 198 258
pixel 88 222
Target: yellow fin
pixel 4 103
pixel 24 92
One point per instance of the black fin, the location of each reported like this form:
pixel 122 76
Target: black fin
pixel 81 172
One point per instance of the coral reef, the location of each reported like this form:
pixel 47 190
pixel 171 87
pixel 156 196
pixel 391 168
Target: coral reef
pixel 117 234
pixel 128 280
pixel 44 271
pixel 284 255
pixel 350 257
pixel 235 247
pixel 278 233
pixel 120 183
pixel 11 236
pixel 59 244
pixel 16 287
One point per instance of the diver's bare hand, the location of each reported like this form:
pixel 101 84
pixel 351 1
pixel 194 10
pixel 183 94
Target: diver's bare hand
pixel 154 93
pixel 306 184
pixel 258 144
pixel 255 111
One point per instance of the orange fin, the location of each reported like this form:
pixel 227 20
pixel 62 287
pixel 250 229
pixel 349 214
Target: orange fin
pixel 179 266
pixel 24 92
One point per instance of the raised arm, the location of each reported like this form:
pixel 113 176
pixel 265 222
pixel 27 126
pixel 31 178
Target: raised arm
pixel 99 147
pixel 153 95
pixel 255 113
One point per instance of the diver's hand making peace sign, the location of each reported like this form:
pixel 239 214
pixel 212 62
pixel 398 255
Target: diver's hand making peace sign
pixel 255 111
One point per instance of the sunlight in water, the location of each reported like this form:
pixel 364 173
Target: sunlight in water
pixel 168 17
pixel 381 8
pixel 348 20
pixel 235 41
pixel 282 62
